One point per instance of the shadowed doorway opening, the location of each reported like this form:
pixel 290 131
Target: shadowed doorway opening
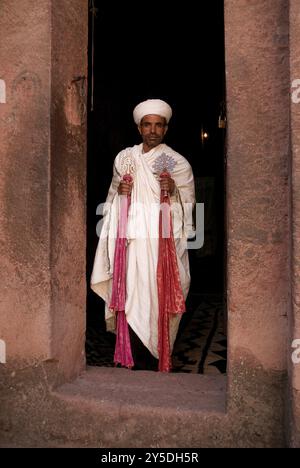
pixel 177 55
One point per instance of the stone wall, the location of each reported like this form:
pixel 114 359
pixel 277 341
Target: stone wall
pixel 43 156
pixel 257 75
pixel 293 415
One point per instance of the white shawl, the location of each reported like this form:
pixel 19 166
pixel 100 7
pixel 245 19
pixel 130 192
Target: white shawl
pixel 142 249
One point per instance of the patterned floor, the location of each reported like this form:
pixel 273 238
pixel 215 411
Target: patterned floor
pixel 200 346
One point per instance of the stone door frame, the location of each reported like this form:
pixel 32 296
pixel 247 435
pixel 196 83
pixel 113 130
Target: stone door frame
pixel 43 188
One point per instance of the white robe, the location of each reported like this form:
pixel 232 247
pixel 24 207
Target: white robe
pixel 141 306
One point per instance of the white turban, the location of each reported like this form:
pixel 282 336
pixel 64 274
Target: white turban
pixel 152 106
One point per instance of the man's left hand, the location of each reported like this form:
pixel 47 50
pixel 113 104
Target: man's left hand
pixel 167 184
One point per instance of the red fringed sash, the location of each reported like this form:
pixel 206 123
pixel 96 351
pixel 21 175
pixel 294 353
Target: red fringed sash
pixel 123 353
pixel 170 296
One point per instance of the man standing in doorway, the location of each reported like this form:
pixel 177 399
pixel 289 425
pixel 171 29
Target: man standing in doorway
pixel 154 300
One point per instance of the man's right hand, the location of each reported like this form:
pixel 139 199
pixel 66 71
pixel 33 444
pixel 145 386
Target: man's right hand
pixel 124 188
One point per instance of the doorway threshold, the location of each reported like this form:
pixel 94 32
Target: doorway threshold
pixel 114 407
pixel 148 390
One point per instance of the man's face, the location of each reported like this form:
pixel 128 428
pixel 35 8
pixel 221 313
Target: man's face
pixel 152 129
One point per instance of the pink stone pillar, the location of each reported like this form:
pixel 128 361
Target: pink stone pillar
pixel 257 74
pixel 42 182
pixel 294 329
pixel 25 57
pixel 68 182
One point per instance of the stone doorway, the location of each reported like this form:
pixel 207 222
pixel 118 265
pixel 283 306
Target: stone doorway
pixel 188 70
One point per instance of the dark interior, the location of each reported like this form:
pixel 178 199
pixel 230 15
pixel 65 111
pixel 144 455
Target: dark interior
pixel 173 52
